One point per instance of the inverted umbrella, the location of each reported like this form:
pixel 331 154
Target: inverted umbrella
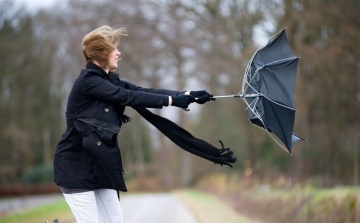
pixel 268 89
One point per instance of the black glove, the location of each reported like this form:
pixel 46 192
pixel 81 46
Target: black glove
pixel 200 93
pixel 203 99
pixel 182 101
pixel 202 96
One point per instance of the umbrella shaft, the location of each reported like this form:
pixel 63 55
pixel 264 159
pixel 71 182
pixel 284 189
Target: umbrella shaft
pixel 238 96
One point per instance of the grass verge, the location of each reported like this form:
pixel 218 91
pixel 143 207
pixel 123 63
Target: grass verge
pixel 210 209
pixel 59 210
pixel 278 202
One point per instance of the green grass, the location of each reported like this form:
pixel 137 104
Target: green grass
pixel 210 209
pixel 59 210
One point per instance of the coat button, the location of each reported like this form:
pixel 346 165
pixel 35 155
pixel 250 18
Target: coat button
pixel 98 143
pixel 106 110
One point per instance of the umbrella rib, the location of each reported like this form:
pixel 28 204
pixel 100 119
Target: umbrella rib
pixel 282 131
pixel 252 78
pixel 284 91
pixel 275 62
pixel 250 73
pixel 256 113
pixel 248 67
pixel 253 102
pixel 278 103
pixel 257 71
pixel 260 94
pixel 272 37
pixel 247 71
pixel 277 141
pixel 268 64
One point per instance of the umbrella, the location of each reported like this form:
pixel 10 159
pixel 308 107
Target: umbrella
pixel 268 89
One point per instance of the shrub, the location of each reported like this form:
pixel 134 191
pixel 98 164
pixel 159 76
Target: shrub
pixel 43 173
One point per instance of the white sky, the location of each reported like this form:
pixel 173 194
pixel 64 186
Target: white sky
pixel 35 4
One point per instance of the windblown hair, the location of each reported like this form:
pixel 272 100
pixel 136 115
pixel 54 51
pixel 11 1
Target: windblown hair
pixel 99 43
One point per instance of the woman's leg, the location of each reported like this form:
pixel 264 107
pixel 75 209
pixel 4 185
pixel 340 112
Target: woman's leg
pixel 109 206
pixel 83 206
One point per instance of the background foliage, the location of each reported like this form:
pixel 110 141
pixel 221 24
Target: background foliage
pixel 186 45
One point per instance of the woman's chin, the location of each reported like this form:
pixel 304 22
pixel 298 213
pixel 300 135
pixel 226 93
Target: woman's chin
pixel 113 67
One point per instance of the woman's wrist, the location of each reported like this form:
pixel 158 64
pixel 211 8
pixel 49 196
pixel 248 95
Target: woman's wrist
pixel 170 101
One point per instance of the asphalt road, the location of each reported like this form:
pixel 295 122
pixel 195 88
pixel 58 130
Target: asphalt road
pixel 137 208
pixel 155 208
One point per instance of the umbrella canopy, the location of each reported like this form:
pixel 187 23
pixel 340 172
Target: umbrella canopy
pixel 268 89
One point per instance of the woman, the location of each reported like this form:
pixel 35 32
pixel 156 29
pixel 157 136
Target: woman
pixel 87 161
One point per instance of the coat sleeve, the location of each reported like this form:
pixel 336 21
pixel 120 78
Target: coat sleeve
pixel 152 90
pixel 98 87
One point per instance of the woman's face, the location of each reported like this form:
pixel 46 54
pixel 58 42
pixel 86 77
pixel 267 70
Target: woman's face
pixel 113 59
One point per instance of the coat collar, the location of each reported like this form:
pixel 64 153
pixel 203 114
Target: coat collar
pixel 111 76
pixel 93 66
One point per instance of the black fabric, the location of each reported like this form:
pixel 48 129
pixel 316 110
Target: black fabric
pixel 272 75
pixel 100 124
pixel 187 141
pixel 183 138
pixel 200 93
pixel 182 101
pixel 202 96
pixel 73 191
pixel 278 119
pixel 203 99
pixel 87 155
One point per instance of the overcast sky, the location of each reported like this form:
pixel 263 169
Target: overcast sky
pixel 35 4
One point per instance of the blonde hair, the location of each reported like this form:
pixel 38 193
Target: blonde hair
pixel 99 43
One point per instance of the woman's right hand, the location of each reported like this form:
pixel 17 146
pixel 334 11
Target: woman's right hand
pixel 182 101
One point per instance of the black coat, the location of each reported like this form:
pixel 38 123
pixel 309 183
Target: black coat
pixel 88 155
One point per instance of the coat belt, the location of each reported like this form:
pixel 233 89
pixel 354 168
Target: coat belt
pixel 100 124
